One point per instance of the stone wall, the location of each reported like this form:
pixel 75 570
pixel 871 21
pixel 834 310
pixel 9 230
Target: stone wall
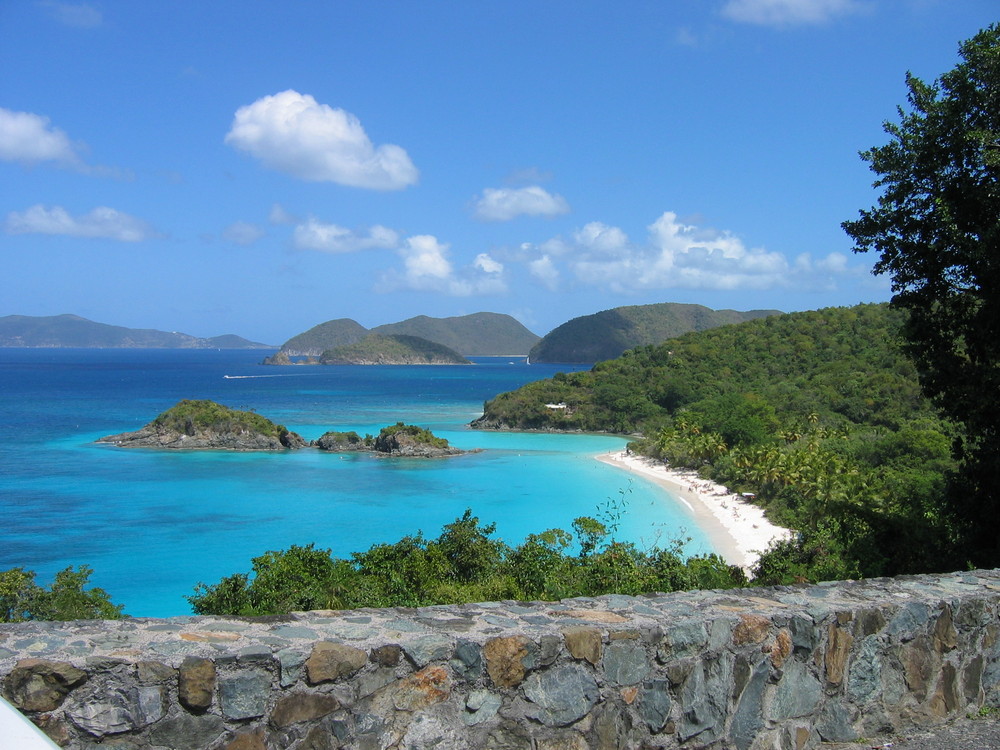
pixel 784 667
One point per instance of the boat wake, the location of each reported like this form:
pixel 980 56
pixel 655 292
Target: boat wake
pixel 248 377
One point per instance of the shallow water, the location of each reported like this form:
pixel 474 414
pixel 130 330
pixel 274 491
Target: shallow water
pixel 152 524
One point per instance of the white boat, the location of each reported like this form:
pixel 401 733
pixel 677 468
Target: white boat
pixel 17 731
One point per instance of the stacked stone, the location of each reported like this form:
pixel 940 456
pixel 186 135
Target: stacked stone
pixel 785 667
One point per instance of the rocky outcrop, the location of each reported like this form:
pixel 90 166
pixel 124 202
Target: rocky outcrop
pixel 153 437
pixel 206 425
pixel 342 442
pixel 406 441
pixel 408 445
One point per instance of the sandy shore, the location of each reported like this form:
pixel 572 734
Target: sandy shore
pixel 736 528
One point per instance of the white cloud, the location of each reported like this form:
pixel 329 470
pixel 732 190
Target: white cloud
pixel 426 262
pixel 545 271
pixel 486 264
pixel 102 222
pixel 331 238
pixel 80 15
pixel 504 204
pixel 30 139
pixel 427 267
pixel 292 133
pixel 242 233
pixel 676 255
pixel 599 237
pixel 680 255
pixel 788 12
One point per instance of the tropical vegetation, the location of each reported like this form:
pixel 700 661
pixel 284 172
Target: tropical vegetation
pixel 191 416
pixel 464 563
pixel 65 599
pixel 936 229
pixel 819 415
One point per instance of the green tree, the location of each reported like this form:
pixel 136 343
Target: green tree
pixel 937 230
pixel 66 599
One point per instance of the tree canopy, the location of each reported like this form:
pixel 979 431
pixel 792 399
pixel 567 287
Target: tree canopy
pixel 936 227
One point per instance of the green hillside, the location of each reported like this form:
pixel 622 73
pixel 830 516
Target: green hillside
pixel 605 335
pixel 328 335
pixel 818 414
pixel 375 349
pixel 842 363
pixel 72 331
pixel 479 334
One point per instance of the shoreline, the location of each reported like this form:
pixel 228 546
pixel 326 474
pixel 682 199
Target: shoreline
pixel 737 529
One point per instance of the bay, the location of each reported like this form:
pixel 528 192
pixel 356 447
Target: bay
pixel 152 524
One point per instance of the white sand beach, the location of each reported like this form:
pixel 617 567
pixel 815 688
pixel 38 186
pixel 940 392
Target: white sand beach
pixel 736 528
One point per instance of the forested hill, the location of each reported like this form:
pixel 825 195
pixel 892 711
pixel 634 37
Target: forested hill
pixel 328 335
pixel 842 364
pixel 481 333
pixel 375 349
pixel 605 335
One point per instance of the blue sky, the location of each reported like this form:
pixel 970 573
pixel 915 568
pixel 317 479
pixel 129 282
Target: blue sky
pixel 258 167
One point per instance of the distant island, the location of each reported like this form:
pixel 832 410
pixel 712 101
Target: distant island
pixel 375 349
pixel 479 334
pixel 208 425
pixel 607 334
pixel 72 331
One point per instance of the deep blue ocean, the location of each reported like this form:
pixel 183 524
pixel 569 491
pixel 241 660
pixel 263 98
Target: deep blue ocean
pixel 152 524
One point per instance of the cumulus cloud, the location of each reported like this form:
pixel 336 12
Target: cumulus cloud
pixel 428 267
pixel 486 264
pixel 31 139
pixel 600 238
pixel 293 133
pixel 544 270
pixel 331 238
pixel 242 233
pixel 504 204
pixel 675 255
pixel 788 12
pixel 102 223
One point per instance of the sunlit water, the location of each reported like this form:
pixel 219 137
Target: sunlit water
pixel 152 524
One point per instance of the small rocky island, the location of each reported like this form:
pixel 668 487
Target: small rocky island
pixel 207 425
pixel 400 439
pixel 378 349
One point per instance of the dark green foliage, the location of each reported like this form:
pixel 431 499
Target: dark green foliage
pixel 937 231
pixel 605 335
pixel 419 434
pixel 844 364
pixel 465 563
pixel 379 349
pixel 189 417
pixel 66 599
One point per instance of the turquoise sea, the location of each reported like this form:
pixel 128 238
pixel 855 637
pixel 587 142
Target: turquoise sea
pixel 152 524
